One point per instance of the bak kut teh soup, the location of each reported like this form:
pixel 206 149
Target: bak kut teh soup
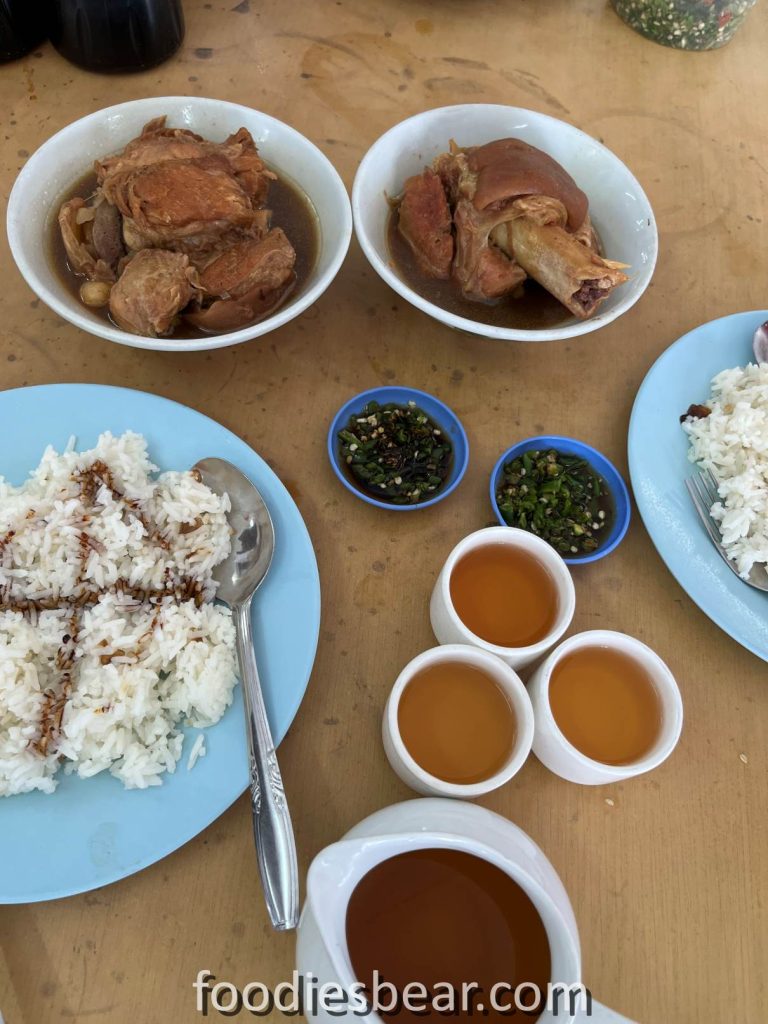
pixel 444 917
pixel 504 595
pixel 605 704
pixel 456 722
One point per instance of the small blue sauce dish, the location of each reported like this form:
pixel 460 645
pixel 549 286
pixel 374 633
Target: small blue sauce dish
pixel 619 505
pixel 444 419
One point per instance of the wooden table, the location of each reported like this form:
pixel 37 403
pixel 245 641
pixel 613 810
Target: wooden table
pixel 668 874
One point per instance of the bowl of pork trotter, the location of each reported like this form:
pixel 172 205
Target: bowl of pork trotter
pixel 504 222
pixel 178 223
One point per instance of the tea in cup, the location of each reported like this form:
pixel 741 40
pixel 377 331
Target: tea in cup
pixel 504 591
pixel 606 708
pixel 458 722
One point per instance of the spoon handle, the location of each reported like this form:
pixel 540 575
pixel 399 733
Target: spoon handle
pixel 272 828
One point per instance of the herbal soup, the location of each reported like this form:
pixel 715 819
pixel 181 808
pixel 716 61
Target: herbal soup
pixel 456 722
pixel 289 208
pixel 530 307
pixel 504 595
pixel 444 916
pixel 501 233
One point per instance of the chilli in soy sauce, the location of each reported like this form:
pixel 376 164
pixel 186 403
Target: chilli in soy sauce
pixel 395 453
pixel 557 496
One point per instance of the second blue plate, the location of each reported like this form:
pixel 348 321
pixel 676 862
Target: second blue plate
pixel 658 465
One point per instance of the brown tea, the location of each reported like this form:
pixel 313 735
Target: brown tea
pixel 605 704
pixel 456 722
pixel 504 595
pixel 445 916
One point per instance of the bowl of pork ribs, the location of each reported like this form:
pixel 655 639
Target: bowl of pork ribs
pixel 178 223
pixel 504 222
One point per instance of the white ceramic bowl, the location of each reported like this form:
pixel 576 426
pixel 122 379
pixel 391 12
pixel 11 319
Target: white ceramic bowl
pixel 511 685
pixel 68 155
pixel 618 206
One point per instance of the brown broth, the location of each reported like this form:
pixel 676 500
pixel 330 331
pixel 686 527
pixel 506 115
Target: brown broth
pixel 291 210
pixel 442 915
pixel 605 704
pixel 456 722
pixel 504 595
pixel 533 310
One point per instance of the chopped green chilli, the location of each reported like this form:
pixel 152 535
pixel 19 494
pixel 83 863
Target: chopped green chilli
pixel 396 453
pixel 558 497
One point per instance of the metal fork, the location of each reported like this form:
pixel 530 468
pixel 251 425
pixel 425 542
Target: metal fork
pixel 702 488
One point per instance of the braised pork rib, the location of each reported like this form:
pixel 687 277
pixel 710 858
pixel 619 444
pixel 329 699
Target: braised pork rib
pixel 180 228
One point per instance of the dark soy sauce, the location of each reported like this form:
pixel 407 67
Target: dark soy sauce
pixel 115 36
pixel 23 25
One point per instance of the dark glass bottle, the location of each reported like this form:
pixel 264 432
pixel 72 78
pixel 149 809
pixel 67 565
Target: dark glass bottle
pixel 117 35
pixel 23 26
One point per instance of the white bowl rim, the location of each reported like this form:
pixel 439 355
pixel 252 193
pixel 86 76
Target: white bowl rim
pixel 473 326
pixel 205 343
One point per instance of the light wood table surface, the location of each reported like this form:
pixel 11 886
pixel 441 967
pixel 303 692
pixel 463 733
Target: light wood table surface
pixel 668 873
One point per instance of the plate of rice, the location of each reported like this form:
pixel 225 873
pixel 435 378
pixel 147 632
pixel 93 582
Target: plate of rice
pixel 121 722
pixel 712 367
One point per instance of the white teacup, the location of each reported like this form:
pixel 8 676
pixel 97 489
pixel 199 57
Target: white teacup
pixel 450 629
pixel 560 756
pixel 404 764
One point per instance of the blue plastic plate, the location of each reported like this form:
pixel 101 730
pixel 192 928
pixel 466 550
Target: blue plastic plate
pixel 92 831
pixel 658 465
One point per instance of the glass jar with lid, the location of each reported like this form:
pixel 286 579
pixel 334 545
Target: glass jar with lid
pixel 685 24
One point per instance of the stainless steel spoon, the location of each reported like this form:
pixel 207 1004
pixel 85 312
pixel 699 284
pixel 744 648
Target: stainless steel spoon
pixel 253 543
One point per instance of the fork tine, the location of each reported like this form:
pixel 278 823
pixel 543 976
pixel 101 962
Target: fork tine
pixel 698 487
pixel 693 487
pixel 711 485
pixel 708 495
pixel 702 494
pixel 700 504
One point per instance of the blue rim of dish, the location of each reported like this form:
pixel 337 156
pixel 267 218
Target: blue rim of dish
pixel 444 417
pixel 601 465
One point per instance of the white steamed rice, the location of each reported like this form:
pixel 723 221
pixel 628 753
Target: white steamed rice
pixel 139 669
pixel 733 443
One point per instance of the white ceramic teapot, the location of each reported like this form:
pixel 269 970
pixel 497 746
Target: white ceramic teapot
pixel 322 953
